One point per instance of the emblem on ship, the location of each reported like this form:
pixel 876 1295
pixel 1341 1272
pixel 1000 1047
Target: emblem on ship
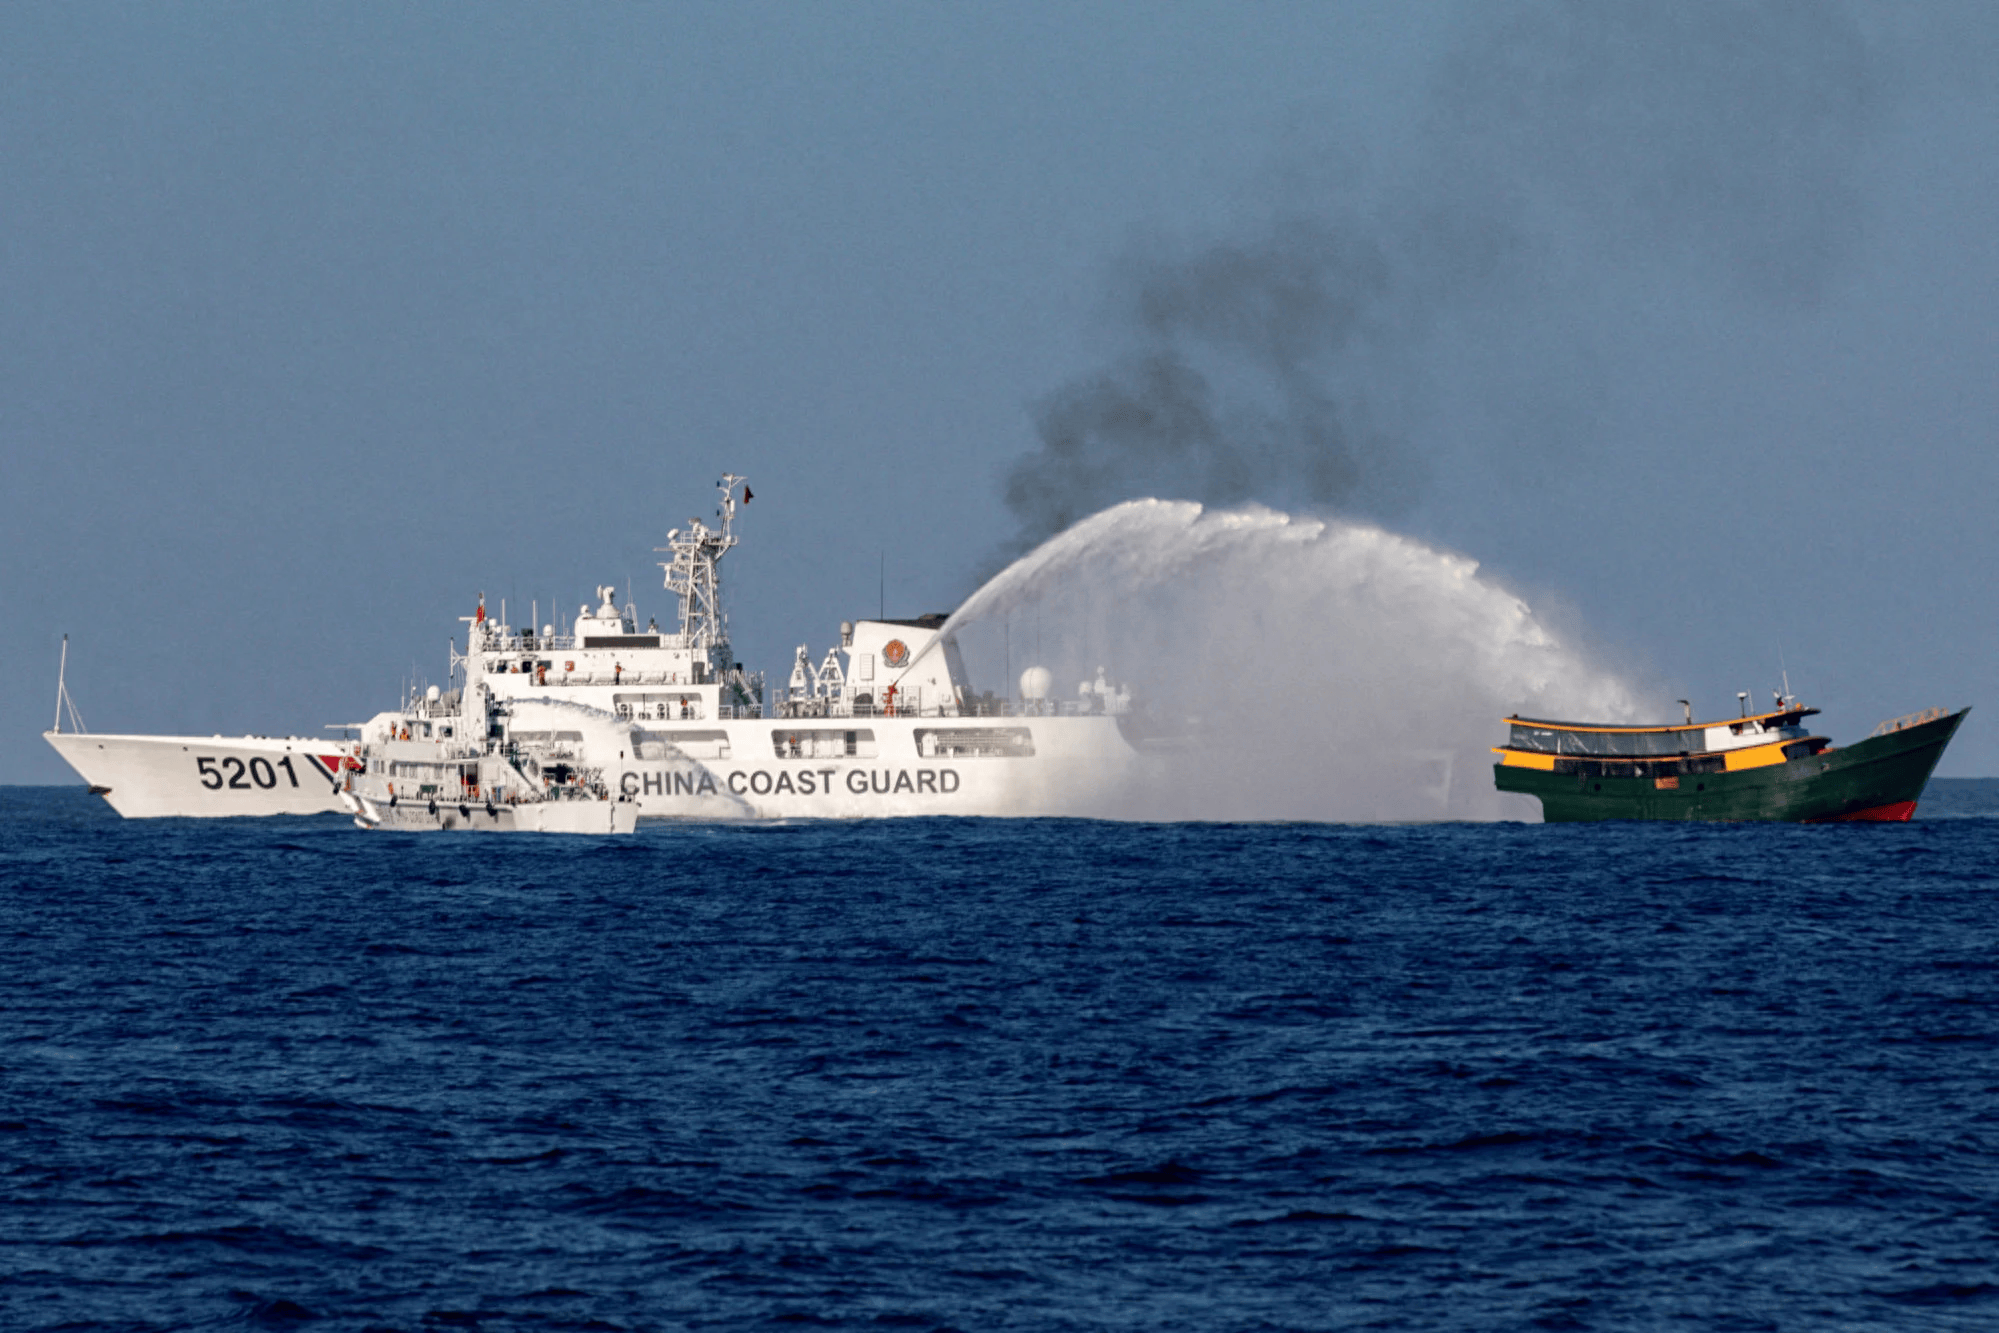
pixel 895 652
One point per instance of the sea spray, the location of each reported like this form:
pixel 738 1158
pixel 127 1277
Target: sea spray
pixel 1299 668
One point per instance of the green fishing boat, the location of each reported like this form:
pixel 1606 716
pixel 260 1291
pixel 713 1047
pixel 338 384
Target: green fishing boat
pixel 1765 766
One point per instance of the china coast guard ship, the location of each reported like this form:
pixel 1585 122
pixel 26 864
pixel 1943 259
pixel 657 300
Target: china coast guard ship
pixel 588 730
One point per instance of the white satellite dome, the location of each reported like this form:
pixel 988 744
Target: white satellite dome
pixel 1035 682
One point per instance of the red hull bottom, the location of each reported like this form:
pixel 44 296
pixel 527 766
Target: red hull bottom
pixel 1895 812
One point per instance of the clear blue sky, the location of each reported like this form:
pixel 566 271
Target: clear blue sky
pixel 315 321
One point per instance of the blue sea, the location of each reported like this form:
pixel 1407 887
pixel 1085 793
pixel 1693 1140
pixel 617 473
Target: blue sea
pixel 973 1075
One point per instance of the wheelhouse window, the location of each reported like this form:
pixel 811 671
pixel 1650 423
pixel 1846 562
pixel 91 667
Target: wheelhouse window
pixel 975 742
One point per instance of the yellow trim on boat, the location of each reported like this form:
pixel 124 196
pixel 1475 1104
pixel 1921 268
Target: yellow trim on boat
pixel 1760 756
pixel 1524 759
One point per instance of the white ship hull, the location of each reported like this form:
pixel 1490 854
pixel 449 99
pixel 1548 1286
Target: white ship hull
pixel 144 777
pixel 1068 766
pixel 1074 765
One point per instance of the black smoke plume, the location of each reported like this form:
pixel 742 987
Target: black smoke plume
pixel 1562 142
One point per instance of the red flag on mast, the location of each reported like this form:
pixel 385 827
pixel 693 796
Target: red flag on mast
pixel 746 495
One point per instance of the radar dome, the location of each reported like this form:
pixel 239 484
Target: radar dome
pixel 1034 683
pixel 433 694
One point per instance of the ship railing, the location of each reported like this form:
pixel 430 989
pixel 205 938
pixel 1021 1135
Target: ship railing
pixel 840 708
pixel 554 643
pixel 1907 720
pixel 527 643
pixel 449 754
pixel 686 712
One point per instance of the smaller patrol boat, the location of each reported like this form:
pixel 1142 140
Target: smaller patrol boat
pixel 1765 766
pixel 428 768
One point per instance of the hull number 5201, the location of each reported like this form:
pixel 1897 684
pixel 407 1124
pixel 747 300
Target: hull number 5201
pixel 234 773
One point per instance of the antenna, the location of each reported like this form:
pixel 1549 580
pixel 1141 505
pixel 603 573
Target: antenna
pixel 63 701
pixel 881 585
pixel 1742 696
pixel 1688 706
pixel 62 669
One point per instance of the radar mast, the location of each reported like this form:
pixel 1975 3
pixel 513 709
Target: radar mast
pixel 693 575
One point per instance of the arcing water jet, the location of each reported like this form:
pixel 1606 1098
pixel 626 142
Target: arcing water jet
pixel 1306 668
